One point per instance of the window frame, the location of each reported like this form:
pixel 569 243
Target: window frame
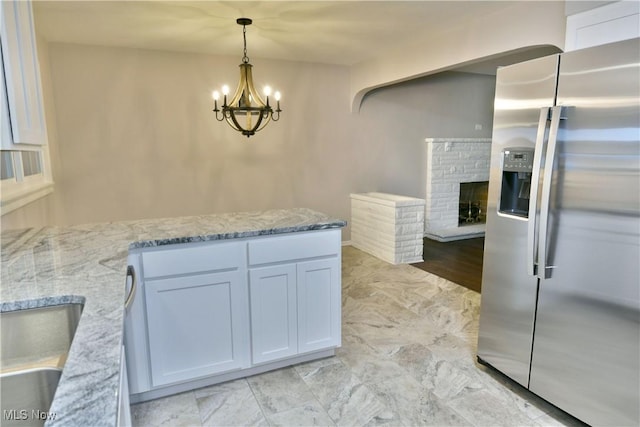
pixel 20 190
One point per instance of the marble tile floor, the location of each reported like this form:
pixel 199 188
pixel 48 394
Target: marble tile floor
pixel 407 359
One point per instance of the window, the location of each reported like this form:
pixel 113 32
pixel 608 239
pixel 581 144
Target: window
pixel 18 165
pixel 31 163
pixel 23 178
pixel 6 167
pixel 25 173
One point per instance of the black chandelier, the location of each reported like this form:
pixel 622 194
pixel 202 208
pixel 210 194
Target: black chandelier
pixel 246 112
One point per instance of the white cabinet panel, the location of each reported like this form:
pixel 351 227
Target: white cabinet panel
pixel 606 24
pixel 22 75
pixel 293 246
pixel 190 258
pixel 273 312
pixel 6 137
pixel 197 326
pixel 124 409
pixel 319 305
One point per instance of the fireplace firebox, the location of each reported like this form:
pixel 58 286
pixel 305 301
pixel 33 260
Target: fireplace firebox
pixel 472 203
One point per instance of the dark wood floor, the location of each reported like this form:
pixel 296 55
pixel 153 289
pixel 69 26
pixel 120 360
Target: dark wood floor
pixel 459 261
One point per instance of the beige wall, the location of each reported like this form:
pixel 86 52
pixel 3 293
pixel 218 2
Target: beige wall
pixel 519 25
pixel 138 138
pixel 395 120
pixel 134 136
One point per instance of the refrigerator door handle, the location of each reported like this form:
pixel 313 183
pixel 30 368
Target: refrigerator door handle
pixel 533 198
pixel 556 116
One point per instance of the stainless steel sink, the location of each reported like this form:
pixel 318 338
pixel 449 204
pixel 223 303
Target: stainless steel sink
pixel 34 344
pixel 27 396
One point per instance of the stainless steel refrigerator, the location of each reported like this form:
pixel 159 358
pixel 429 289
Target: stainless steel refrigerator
pixel 560 305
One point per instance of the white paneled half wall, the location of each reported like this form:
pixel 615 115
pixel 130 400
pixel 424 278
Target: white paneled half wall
pixel 450 162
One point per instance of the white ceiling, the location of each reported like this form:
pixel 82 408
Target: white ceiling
pixel 335 32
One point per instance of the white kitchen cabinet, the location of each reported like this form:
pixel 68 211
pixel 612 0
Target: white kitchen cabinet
pixel 189 317
pixel 295 309
pixel 197 326
pixel 23 105
pixel 220 310
pixel 6 137
pixel 273 307
pixel 612 22
pixel 310 321
pixel 319 305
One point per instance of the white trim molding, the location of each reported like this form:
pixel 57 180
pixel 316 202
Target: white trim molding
pixel 12 200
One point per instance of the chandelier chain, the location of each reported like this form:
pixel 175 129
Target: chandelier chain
pixel 245 58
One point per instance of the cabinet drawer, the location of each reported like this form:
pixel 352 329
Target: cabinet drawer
pixel 294 246
pixel 194 259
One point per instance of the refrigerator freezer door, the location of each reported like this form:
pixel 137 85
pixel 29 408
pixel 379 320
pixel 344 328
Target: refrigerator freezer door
pixel 586 350
pixel 508 293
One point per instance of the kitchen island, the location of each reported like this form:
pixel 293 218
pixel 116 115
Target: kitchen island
pixel 87 264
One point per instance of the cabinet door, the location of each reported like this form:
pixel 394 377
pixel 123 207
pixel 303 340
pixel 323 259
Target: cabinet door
pixel 273 312
pixel 6 137
pixel 197 326
pixel 605 24
pixel 21 74
pixel 319 311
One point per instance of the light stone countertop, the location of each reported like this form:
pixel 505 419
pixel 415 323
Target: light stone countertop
pixel 87 264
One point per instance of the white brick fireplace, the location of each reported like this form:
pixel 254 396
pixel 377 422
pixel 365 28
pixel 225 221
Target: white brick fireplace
pixel 451 161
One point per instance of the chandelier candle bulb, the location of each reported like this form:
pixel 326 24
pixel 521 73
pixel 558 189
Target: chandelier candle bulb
pixel 277 95
pixel 267 92
pixel 215 96
pixel 225 92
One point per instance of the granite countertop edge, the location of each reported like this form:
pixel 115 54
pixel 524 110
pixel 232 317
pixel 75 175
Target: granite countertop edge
pixel 86 264
pixel 234 235
pixel 41 302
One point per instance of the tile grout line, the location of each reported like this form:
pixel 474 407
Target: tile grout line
pixel 253 393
